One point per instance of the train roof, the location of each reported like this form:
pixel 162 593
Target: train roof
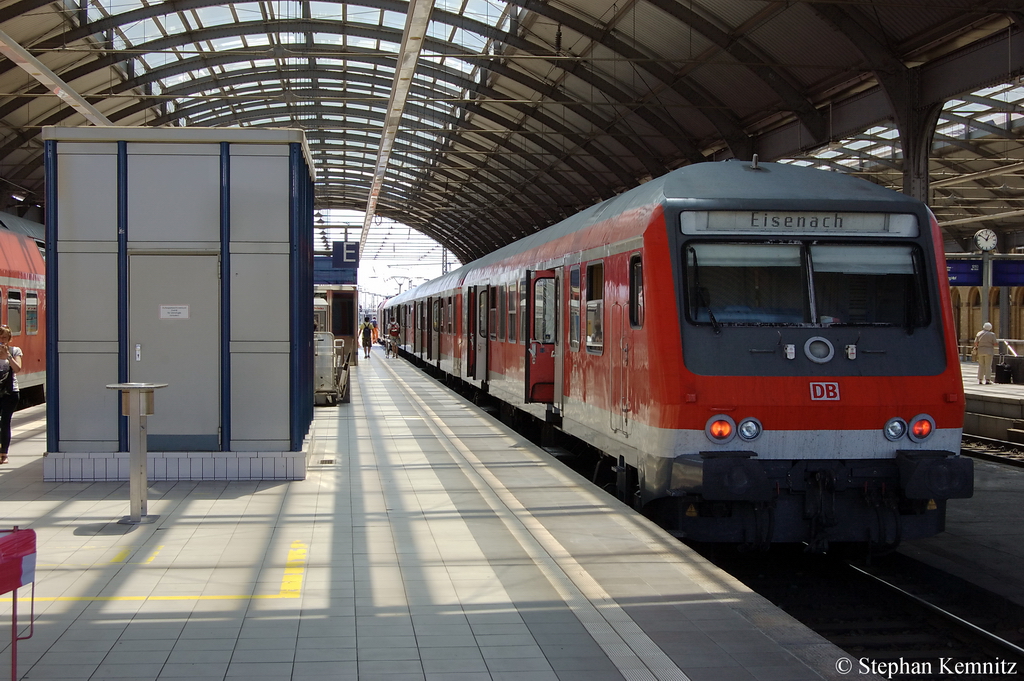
pixel 18 225
pixel 700 181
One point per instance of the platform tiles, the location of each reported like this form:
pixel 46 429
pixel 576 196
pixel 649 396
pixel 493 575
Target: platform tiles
pixel 428 542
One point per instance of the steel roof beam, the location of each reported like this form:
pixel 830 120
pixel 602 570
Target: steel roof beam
pixel 416 20
pixel 38 70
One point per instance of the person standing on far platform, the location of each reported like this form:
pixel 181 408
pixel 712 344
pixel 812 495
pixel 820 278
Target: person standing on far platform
pixel 986 345
pixel 10 365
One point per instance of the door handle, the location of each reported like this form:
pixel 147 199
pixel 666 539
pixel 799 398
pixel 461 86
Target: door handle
pixel 138 352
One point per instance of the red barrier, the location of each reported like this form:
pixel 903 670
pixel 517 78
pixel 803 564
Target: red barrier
pixel 18 568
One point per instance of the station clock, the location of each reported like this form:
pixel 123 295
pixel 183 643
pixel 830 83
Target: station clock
pixel 985 240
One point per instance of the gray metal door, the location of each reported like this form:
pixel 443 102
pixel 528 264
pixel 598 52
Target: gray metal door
pixel 174 338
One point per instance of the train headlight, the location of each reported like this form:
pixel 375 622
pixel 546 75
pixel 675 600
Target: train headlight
pixel 749 429
pixel 720 428
pixel 921 427
pixel 895 429
pixel 819 350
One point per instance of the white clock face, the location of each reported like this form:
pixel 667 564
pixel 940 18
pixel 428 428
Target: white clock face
pixel 985 239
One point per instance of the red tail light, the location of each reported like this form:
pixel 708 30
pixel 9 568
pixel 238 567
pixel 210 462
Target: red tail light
pixel 921 427
pixel 721 430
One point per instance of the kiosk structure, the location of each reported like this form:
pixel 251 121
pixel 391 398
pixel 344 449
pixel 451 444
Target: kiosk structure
pixel 179 256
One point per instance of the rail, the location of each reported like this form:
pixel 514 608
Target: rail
pixel 1008 347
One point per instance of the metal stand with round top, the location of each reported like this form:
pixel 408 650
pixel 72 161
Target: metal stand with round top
pixel 136 404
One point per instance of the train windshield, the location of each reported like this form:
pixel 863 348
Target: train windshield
pixel 805 284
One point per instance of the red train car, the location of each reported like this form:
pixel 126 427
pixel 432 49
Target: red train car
pixel 765 351
pixel 23 300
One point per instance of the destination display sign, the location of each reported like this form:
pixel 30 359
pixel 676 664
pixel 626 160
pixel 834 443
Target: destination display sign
pixel 964 272
pixel 797 223
pixel 1007 272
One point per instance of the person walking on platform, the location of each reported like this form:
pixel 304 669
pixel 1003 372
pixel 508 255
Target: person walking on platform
pixel 10 365
pixel 986 345
pixel 394 331
pixel 366 334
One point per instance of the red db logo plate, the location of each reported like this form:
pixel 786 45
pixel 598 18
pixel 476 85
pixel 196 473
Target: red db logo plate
pixel 825 391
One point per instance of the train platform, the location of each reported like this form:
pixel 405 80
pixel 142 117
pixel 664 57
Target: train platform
pixel 984 539
pixel 983 543
pixel 993 410
pixel 428 542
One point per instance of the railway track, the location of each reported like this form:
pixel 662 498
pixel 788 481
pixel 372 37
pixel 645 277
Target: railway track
pixel 893 616
pixel 988 449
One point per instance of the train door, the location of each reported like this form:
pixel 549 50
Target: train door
pixel 542 315
pixel 618 361
pixel 480 341
pixel 469 328
pixel 430 307
pixel 456 332
pixel 559 349
pixel 627 319
pixel 436 318
pixel 421 329
pixel 174 338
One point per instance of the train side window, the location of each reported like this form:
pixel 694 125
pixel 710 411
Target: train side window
pixel 523 332
pixel 513 306
pixel 544 310
pixel 31 312
pixel 595 308
pixel 636 291
pixel 450 314
pixel 501 312
pixel 14 312
pixel 481 321
pixel 436 314
pixel 492 315
pixel 574 308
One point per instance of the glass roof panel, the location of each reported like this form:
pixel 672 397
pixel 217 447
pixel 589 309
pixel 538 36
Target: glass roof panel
pixel 215 15
pixel 394 20
pixel 345 101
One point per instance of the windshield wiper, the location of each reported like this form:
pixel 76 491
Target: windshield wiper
pixel 703 300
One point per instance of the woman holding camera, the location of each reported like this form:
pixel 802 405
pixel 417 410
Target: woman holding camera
pixel 10 365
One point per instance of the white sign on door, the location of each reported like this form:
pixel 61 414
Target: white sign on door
pixel 174 312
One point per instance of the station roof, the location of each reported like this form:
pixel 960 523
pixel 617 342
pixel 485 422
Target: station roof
pixel 479 122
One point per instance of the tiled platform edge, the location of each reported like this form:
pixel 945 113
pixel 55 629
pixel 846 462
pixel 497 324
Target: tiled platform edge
pixel 113 466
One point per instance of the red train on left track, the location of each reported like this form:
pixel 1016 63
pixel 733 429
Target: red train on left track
pixel 23 299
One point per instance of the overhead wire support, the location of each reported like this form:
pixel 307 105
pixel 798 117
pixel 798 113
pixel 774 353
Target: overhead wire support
pixel 416 22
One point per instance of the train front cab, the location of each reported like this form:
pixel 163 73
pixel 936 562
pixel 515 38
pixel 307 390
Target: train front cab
pixel 824 381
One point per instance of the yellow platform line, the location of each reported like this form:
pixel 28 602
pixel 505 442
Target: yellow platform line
pixel 291 585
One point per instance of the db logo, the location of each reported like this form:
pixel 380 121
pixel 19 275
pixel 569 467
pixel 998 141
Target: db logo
pixel 825 391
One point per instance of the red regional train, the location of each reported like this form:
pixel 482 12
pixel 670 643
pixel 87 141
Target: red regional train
pixel 23 299
pixel 765 351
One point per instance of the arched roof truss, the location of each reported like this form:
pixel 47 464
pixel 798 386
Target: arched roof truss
pixel 522 112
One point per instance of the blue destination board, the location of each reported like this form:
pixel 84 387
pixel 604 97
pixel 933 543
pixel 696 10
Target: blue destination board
pixel 964 272
pixel 1007 272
